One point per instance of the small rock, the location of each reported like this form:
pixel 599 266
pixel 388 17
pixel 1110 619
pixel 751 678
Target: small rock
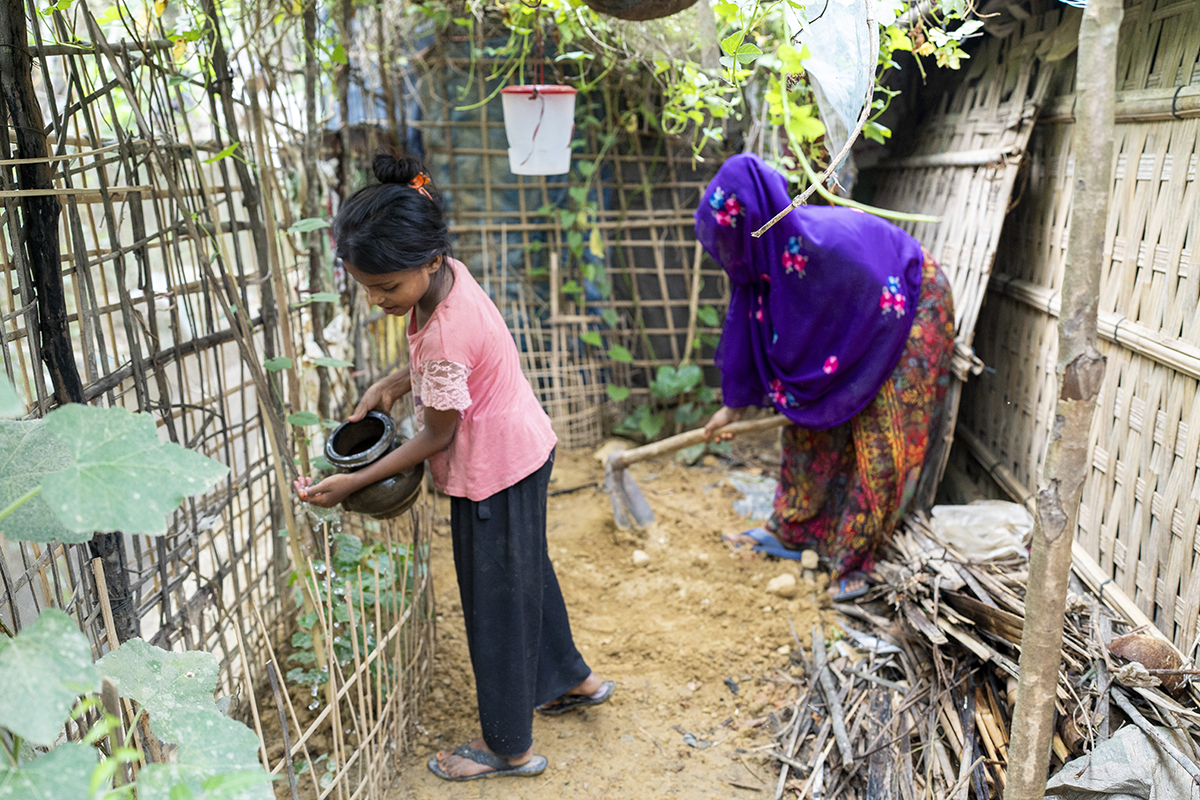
pixel 784 585
pixel 710 460
pixel 809 559
pixel 784 650
pixel 640 558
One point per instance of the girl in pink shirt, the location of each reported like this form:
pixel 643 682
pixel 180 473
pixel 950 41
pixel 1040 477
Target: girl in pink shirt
pixel 490 448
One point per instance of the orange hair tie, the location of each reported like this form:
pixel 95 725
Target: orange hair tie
pixel 419 182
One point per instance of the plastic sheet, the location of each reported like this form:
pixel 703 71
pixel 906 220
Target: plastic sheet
pixel 984 529
pixel 759 495
pixel 840 47
pixel 1129 766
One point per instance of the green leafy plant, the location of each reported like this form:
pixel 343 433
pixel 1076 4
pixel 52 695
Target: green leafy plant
pixel 47 668
pixel 83 469
pixel 678 396
pixel 79 470
pixel 360 574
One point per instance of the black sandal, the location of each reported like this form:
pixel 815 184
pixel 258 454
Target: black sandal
pixel 500 767
pixel 566 702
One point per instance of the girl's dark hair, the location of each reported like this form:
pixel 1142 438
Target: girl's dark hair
pixel 392 226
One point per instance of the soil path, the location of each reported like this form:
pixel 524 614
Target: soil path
pixel 669 633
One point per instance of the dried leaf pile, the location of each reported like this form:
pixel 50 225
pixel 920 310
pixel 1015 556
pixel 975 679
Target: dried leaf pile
pixel 914 701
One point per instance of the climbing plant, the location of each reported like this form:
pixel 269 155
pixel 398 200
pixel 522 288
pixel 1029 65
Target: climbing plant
pixel 79 470
pixel 657 76
pixel 47 679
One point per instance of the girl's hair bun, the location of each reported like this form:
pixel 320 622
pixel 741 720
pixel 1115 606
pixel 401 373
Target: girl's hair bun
pixel 390 169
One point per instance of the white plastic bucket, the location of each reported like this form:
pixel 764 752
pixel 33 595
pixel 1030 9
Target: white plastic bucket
pixel 539 122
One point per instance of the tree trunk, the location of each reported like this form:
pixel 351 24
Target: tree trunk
pixel 311 202
pixel 40 214
pixel 39 229
pixel 1081 373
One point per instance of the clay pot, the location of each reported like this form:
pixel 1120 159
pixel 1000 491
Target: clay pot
pixel 354 445
pixel 1152 653
pixel 639 9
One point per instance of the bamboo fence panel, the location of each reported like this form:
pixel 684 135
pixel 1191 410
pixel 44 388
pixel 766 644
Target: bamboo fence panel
pixel 156 235
pixel 1141 505
pixel 962 168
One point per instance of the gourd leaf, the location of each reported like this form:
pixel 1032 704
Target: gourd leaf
pixel 747 53
pixel 163 682
pixel 617 393
pixel 670 382
pixel 730 44
pixel 277 364
pixel 651 424
pixel 42 672
pixel 708 315
pixel 690 455
pixel 11 404
pixel 217 759
pixel 304 419
pixel 121 476
pixel 308 224
pixel 62 774
pixel 29 452
pixel 618 353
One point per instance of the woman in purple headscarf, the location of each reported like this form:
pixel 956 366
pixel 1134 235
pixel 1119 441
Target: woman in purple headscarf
pixel 844 324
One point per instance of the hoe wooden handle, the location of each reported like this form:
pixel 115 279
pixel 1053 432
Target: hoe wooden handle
pixel 682 440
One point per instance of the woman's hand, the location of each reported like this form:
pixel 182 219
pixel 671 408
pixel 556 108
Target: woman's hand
pixel 383 394
pixel 720 419
pixel 329 492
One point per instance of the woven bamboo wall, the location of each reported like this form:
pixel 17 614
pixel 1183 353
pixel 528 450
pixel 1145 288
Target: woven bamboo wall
pixel 962 168
pixel 646 188
pixel 1141 502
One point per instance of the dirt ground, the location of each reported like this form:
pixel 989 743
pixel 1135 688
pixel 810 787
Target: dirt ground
pixel 678 636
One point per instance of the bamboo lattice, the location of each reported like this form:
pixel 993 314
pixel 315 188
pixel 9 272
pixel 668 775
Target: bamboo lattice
pixel 962 168
pixel 160 234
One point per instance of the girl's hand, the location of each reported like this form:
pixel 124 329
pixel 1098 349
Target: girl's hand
pixel 720 419
pixel 329 492
pixel 383 394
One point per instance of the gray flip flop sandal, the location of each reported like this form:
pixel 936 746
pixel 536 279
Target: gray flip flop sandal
pixel 500 767
pixel 566 702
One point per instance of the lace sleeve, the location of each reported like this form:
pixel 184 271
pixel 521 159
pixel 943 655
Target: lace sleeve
pixel 444 385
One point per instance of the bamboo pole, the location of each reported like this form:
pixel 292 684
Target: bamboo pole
pixel 1080 372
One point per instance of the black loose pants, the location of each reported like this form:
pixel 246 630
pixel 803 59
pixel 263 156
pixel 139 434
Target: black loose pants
pixel 517 627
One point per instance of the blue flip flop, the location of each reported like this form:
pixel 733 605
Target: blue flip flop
pixel 769 545
pixel 500 768
pixel 849 594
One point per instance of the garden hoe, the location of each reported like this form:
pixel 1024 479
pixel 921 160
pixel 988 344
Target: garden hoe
pixel 628 503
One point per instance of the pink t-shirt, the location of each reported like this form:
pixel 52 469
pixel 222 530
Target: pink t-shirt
pixel 465 358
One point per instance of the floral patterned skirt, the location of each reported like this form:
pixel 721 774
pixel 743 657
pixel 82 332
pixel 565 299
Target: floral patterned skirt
pixel 843 490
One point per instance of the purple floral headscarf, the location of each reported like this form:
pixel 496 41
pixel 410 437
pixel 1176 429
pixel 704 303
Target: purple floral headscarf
pixel 820 306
